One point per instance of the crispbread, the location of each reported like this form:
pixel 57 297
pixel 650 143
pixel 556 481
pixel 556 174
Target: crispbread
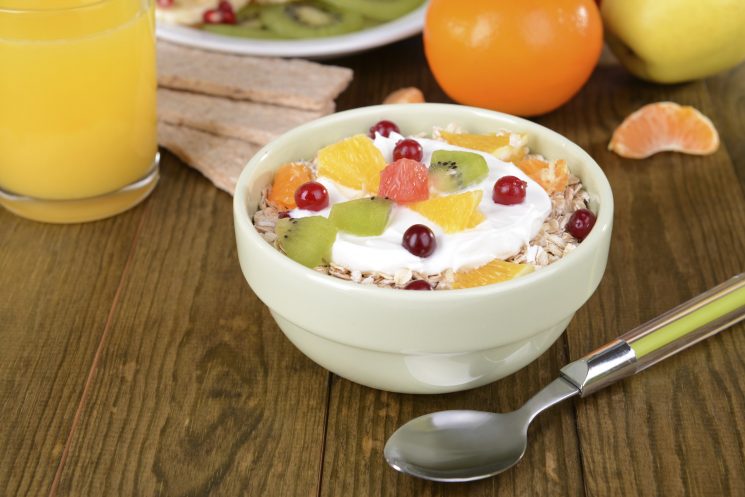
pixel 249 121
pixel 220 159
pixel 292 83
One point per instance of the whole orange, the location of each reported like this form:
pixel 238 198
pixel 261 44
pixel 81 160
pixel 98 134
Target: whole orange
pixel 523 57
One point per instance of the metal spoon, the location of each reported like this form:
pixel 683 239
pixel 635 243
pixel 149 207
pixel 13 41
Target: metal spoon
pixel 456 446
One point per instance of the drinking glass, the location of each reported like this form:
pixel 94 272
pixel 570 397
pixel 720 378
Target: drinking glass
pixel 77 107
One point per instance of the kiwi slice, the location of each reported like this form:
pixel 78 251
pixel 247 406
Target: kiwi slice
pixel 249 25
pixel 380 10
pixel 452 170
pixel 363 216
pixel 306 240
pixel 241 31
pixel 309 19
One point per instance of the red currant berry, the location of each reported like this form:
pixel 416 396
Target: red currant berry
pixel 225 6
pixel 408 149
pixel 212 16
pixel 312 196
pixel 228 17
pixel 165 3
pixel 418 285
pixel 580 224
pixel 283 214
pixel 383 128
pixel 509 190
pixel 419 240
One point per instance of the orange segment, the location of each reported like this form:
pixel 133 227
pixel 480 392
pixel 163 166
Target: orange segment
pixel 493 272
pixel 664 126
pixel 287 179
pixel 552 176
pixel 453 212
pixel 354 162
pixel 505 146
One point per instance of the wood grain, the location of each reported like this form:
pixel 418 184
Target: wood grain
pixel 58 284
pixel 678 428
pixel 361 420
pixel 727 92
pixel 192 390
pixel 198 392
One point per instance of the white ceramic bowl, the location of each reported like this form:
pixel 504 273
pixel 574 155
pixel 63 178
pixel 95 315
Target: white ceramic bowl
pixel 420 342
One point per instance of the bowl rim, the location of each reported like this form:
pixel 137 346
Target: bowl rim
pixel 243 221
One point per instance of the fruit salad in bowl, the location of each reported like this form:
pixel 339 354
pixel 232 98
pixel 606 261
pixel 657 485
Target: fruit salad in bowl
pixel 453 210
pixel 507 223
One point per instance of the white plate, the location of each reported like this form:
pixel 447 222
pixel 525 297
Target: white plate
pixel 317 48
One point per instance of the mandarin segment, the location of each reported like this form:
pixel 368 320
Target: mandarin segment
pixel 354 162
pixel 663 127
pixel 287 179
pixel 453 213
pixel 553 176
pixel 495 271
pixel 505 146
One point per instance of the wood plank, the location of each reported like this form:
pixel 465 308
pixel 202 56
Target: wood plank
pixel 59 283
pixel 677 428
pixel 198 392
pixel 727 92
pixel 361 419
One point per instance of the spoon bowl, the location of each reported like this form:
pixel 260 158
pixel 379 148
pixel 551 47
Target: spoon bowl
pixel 455 446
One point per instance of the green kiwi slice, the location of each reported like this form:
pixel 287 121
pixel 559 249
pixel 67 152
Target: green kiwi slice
pixel 307 240
pixel 452 170
pixel 310 19
pixel 381 10
pixel 363 216
pixel 249 25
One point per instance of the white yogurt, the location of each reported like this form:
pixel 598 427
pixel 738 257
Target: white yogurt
pixel 506 229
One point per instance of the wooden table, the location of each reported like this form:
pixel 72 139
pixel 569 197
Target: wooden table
pixel 135 360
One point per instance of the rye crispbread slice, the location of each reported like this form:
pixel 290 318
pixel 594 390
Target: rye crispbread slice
pixel 220 159
pixel 288 82
pixel 249 121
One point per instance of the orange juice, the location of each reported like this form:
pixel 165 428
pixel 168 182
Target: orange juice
pixel 77 106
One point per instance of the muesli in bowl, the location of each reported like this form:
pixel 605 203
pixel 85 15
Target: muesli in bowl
pixel 447 210
pixel 412 341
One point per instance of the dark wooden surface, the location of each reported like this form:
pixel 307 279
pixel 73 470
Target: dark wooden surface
pixel 134 359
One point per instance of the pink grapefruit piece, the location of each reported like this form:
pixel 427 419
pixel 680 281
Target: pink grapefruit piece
pixel 404 181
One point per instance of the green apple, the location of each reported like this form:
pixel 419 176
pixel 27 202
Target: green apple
pixel 669 41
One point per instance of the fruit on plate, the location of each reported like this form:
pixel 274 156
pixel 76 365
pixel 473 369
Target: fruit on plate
pixel 453 170
pixel 553 176
pixel 248 25
pixel 362 216
pixel 354 162
pixel 404 181
pixel 380 10
pixel 307 240
pixel 505 146
pixel 287 179
pixel 453 212
pixel 524 57
pixel 494 272
pixel 189 12
pixel 669 41
pixel 310 19
pixel 664 126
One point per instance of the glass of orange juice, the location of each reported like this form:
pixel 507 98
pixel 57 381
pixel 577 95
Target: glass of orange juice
pixel 77 107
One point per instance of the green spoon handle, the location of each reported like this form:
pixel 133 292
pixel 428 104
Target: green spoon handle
pixel 679 328
pixel 689 323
